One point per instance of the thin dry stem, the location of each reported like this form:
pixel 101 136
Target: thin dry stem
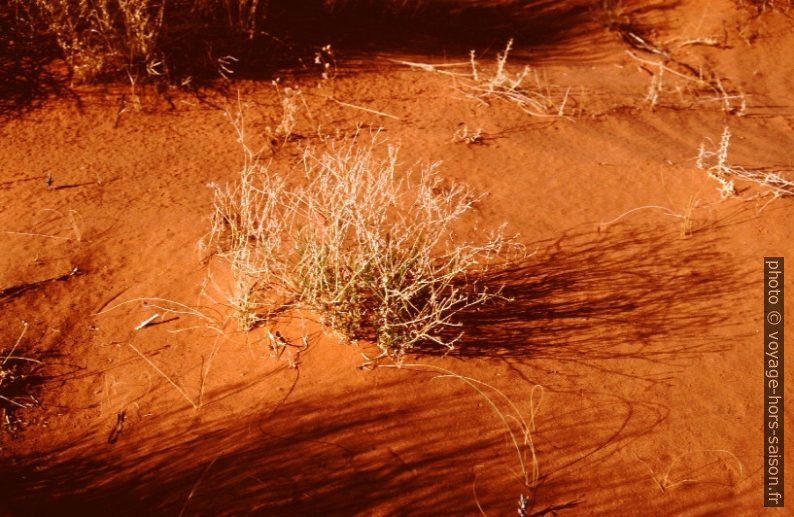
pixel 530 474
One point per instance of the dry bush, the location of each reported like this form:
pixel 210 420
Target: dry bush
pixel 372 250
pixel 716 164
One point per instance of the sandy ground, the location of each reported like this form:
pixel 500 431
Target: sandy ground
pixel 646 342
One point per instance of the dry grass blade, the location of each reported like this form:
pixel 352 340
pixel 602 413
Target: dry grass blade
pixel 530 471
pixel 171 307
pixel 165 376
pixel 196 485
pixel 435 67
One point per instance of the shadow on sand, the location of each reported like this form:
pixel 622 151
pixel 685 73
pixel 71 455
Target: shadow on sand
pixel 290 33
pixel 313 456
pixel 624 293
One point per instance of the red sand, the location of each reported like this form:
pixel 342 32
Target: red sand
pixel 647 343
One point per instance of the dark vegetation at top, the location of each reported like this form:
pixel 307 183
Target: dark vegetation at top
pixel 190 42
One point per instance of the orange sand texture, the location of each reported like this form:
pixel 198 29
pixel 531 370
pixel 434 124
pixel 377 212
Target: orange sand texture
pixel 645 338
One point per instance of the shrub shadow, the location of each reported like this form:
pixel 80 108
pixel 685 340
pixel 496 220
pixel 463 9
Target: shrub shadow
pixel 623 293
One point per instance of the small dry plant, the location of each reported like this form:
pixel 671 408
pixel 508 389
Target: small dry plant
pixel 715 163
pixel 372 249
pixel 701 83
pixel 685 216
pixel 538 99
pixel 761 6
pixel 292 100
pixel 519 437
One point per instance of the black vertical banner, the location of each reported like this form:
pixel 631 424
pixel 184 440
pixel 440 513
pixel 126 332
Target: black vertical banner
pixel 773 381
